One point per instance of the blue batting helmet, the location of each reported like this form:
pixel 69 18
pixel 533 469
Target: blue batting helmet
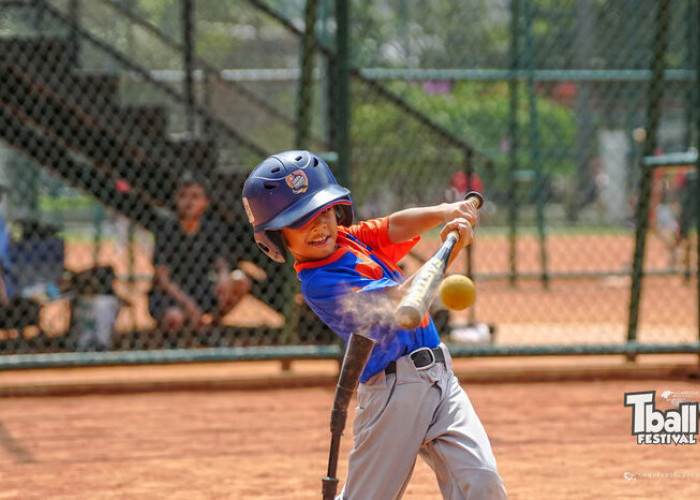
pixel 288 190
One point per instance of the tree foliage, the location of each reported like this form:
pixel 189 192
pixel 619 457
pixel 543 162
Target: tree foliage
pixel 479 114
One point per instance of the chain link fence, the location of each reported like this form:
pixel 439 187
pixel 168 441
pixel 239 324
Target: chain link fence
pixel 558 94
pixel 116 116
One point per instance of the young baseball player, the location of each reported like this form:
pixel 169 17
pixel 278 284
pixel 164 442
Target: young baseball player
pixel 409 401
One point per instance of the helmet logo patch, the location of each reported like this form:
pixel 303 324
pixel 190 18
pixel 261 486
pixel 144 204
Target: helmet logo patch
pixel 297 181
pixel 248 211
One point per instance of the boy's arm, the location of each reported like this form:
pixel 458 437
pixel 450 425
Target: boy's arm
pixel 411 222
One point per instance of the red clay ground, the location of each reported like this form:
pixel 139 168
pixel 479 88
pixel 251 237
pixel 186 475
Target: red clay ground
pixel 552 441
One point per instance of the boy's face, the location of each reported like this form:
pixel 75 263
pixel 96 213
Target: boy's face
pixel 314 241
pixel 191 201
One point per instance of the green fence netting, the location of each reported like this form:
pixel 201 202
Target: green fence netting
pixel 114 113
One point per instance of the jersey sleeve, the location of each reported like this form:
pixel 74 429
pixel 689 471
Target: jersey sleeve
pixel 375 233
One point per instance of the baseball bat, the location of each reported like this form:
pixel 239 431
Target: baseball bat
pixel 356 356
pixel 421 291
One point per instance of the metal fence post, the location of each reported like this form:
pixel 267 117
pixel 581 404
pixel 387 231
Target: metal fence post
pixel 469 170
pixel 301 140
pixel 305 89
pixel 535 142
pixel 656 90
pixel 342 91
pixel 691 57
pixel 74 43
pixel 584 115
pixel 188 40
pixel 513 139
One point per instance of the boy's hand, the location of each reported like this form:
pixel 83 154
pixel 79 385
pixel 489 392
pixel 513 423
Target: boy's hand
pixel 461 209
pixel 466 233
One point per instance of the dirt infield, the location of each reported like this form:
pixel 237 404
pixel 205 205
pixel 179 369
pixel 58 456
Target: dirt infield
pixel 552 440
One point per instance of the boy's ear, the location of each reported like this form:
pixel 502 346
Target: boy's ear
pixel 338 213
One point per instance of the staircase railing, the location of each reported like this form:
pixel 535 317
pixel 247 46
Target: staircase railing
pixel 214 125
pixel 208 72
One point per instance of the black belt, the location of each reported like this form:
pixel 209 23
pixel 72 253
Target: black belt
pixel 422 358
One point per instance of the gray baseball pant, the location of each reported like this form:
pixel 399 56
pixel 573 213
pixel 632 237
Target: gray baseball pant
pixel 419 412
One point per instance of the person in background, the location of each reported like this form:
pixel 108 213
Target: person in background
pixel 459 186
pixel 193 284
pixel 687 216
pixel 5 264
pixel 663 216
pixel 17 312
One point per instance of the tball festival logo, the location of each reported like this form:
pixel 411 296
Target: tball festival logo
pixel 677 426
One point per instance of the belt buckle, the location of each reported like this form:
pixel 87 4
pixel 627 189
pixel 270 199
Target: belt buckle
pixel 429 365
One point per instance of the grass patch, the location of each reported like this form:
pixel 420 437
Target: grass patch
pixel 49 203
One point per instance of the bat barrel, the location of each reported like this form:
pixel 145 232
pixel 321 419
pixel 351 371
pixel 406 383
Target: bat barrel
pixel 356 355
pixel 419 296
pixel 415 304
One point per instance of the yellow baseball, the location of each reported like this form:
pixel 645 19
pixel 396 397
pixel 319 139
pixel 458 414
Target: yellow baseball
pixel 457 292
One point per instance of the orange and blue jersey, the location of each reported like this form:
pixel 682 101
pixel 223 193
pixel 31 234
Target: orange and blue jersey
pixel 347 290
